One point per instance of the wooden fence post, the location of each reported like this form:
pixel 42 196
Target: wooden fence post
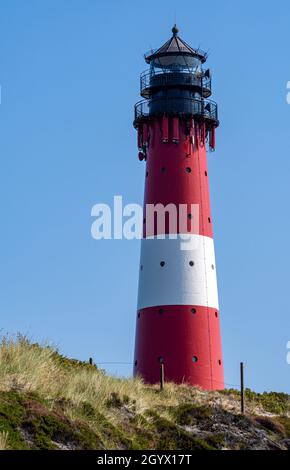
pixel 242 388
pixel 161 376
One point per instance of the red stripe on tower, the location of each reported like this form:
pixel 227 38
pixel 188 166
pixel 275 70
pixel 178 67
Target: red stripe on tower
pixel 178 314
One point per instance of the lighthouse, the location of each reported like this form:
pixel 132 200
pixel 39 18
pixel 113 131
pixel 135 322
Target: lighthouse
pixel 177 320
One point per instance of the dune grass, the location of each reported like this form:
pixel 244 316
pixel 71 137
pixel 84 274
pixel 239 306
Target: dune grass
pixel 4 440
pixel 25 366
pixel 48 401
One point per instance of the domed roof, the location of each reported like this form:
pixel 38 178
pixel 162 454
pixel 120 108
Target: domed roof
pixel 175 46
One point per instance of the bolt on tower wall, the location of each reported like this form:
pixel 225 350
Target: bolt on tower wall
pixel 178 314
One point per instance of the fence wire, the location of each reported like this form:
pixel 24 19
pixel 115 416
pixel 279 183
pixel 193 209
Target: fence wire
pixel 132 363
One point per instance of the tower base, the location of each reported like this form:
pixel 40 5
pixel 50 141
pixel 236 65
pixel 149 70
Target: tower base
pixel 184 338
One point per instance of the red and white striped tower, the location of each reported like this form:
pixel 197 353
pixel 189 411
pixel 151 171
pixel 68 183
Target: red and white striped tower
pixel 178 314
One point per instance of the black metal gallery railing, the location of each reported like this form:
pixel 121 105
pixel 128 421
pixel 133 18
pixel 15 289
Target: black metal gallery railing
pixel 200 108
pixel 151 81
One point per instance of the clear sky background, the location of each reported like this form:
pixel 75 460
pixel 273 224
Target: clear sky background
pixel 69 72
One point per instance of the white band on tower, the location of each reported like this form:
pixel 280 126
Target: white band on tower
pixel 170 275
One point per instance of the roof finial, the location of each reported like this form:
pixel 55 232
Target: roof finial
pixel 175 30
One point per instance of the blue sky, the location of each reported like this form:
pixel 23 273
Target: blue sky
pixel 69 73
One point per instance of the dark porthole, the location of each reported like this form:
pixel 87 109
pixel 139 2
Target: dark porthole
pixel 136 362
pixel 193 311
pixel 188 169
pixel 220 362
pixel 194 358
pixel 144 221
pixel 189 216
pixel 160 311
pixel 209 221
pixel 139 314
pixel 147 174
pixel 141 267
pixel 216 314
pixel 191 263
pixel 212 266
pixel 205 173
pixel 162 264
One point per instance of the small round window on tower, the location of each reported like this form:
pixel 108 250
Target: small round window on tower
pixel 189 216
pixel 160 311
pixel 162 264
pixel 193 311
pixel 194 359
pixel 188 169
pixel 191 263
pixel 135 363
